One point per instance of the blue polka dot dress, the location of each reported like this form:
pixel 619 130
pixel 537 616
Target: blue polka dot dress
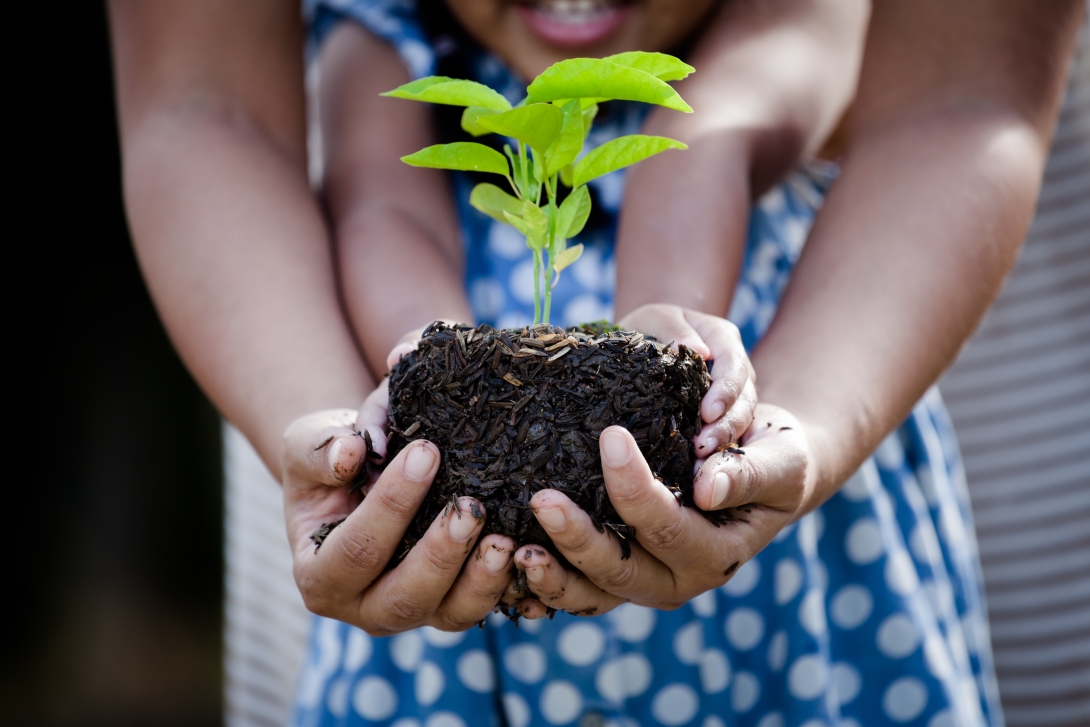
pixel 868 611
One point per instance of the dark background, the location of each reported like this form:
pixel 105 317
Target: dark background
pixel 114 534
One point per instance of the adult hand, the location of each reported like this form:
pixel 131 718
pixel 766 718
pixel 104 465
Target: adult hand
pixel 346 577
pixel 677 552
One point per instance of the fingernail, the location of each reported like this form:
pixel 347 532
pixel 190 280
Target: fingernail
pixel 333 453
pixel 418 462
pixel 719 488
pixel 552 518
pixel 496 560
pixel 463 521
pixel 615 450
pixel 718 409
pixel 535 574
pixel 708 446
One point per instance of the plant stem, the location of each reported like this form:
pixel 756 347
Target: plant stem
pixel 537 287
pixel 523 172
pixel 551 188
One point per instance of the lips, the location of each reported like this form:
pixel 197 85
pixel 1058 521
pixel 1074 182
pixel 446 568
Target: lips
pixel 574 23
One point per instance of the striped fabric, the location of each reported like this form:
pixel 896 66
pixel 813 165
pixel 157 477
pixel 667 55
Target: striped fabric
pixel 265 623
pixel 1020 400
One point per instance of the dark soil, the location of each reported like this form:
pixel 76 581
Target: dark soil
pixel 517 411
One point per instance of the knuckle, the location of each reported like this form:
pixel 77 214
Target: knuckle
pixel 440 558
pixel 620 578
pixel 663 535
pixel 403 611
pixel 395 501
pixel 359 552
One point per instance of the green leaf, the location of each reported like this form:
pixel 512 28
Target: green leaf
pixel 493 201
pixel 600 79
pixel 452 92
pixel 620 153
pixel 569 142
pixel 660 65
pixel 573 213
pixel 469 119
pixel 465 156
pixel 538 166
pixel 536 220
pixel 567 175
pixel 567 256
pixel 535 125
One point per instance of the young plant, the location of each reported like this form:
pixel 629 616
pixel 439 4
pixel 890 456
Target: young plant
pixel 549 128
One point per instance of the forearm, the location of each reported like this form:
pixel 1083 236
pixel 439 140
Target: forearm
pixel 396 279
pixel 772 80
pixel 909 250
pixel 947 145
pixel 395 229
pixel 236 256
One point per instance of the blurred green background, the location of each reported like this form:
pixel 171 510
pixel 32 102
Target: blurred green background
pixel 115 527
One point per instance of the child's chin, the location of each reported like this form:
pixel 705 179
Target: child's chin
pixel 574 30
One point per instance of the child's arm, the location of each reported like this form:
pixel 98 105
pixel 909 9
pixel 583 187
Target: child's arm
pixel 771 81
pixel 396 231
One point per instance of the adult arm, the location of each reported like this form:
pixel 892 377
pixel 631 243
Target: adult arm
pixel 771 81
pixel 237 257
pixel 230 238
pixel 947 143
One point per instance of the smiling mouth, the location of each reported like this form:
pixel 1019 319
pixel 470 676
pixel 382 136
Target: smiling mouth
pixel 574 23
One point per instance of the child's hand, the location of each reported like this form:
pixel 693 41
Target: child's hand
pixel 346 577
pixel 677 553
pixel 727 408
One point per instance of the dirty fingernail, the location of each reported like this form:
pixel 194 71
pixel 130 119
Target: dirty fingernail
pixel 614 449
pixel 463 521
pixel 708 446
pixel 719 488
pixel 333 454
pixel 552 518
pixel 418 462
pixel 717 410
pixel 496 560
pixel 535 574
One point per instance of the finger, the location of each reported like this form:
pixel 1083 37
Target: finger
pixel 323 447
pixel 678 536
pixel 636 577
pixel 398 351
pixel 729 427
pixel 479 587
pixel 667 323
pixel 768 470
pixel 411 593
pixel 730 372
pixel 372 417
pixel 355 553
pixel 560 588
pixel 531 608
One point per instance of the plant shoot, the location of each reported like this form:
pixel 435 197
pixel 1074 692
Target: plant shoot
pixel 549 128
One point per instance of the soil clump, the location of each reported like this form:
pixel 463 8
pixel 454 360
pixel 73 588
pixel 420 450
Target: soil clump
pixel 515 411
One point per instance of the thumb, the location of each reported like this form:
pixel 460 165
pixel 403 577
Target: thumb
pixel 770 471
pixel 324 448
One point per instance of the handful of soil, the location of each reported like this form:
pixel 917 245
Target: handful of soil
pixel 516 411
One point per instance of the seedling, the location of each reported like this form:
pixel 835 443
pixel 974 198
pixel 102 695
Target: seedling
pixel 549 128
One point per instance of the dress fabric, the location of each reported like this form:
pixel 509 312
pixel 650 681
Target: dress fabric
pixel 868 611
